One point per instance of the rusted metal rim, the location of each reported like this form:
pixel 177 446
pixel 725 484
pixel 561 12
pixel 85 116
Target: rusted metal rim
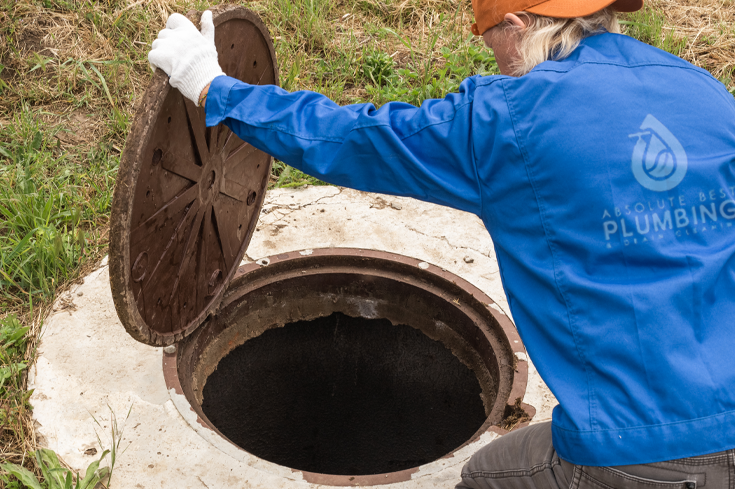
pixel 187 197
pixel 494 336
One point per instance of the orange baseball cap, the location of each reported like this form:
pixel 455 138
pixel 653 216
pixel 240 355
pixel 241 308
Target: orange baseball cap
pixel 489 13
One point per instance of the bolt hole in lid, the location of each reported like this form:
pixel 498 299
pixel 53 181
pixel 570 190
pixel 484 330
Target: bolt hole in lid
pixel 187 197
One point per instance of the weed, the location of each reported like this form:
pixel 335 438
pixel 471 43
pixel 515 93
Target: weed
pixel 40 237
pixel 430 79
pixel 12 349
pixel 13 397
pixel 304 21
pixel 55 475
pixel 649 25
pixel 12 365
pixel 115 439
pixel 288 177
pixel 39 61
pixel 50 205
pixel 118 123
pixel 377 67
pixel 729 83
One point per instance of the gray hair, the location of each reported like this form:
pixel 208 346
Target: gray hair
pixel 550 38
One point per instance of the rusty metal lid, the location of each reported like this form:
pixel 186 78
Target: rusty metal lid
pixel 187 197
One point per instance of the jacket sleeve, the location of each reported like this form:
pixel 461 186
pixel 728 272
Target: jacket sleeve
pixel 399 149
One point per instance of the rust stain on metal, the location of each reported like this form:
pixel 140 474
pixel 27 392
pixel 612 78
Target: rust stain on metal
pixel 519 388
pixel 358 480
pixel 169 373
pixel 187 197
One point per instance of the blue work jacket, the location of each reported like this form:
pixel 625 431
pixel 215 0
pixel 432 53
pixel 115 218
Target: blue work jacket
pixel 606 181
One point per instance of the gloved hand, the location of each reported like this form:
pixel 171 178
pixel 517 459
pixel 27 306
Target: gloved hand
pixel 187 56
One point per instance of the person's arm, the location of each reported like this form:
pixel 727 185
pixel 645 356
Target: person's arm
pixel 399 149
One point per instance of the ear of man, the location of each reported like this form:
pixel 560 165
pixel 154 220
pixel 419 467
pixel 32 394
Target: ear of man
pixel 504 41
pixel 514 20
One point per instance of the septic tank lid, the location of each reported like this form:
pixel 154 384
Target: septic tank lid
pixel 187 197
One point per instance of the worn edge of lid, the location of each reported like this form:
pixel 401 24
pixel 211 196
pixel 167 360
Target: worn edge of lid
pixel 123 195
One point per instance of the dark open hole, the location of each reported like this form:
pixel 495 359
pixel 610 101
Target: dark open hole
pixel 338 390
pixel 344 395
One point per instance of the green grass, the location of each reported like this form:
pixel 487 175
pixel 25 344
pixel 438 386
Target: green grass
pixel 322 47
pixel 423 80
pixel 53 203
pixel 12 365
pixel 54 207
pixel 649 25
pixel 54 474
pixel 14 406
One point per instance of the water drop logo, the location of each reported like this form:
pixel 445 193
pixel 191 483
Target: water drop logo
pixel 659 160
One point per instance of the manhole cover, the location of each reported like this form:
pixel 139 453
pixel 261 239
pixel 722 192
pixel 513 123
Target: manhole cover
pixel 187 197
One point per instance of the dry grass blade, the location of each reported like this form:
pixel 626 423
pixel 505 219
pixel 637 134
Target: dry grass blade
pixel 709 27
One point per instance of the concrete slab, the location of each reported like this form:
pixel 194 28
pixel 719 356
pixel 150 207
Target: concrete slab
pixel 88 366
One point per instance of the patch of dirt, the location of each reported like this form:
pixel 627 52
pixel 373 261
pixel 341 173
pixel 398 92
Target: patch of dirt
pixel 65 302
pixel 277 229
pixel 8 73
pixel 80 128
pixel 379 203
pixel 514 416
pixel 31 40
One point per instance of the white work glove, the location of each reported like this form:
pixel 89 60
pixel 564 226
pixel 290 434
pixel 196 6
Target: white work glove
pixel 187 56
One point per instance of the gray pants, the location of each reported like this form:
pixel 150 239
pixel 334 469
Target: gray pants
pixel 526 459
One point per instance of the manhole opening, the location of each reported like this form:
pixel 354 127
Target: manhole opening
pixel 348 365
pixel 344 395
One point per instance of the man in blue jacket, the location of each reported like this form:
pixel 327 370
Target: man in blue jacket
pixel 604 170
